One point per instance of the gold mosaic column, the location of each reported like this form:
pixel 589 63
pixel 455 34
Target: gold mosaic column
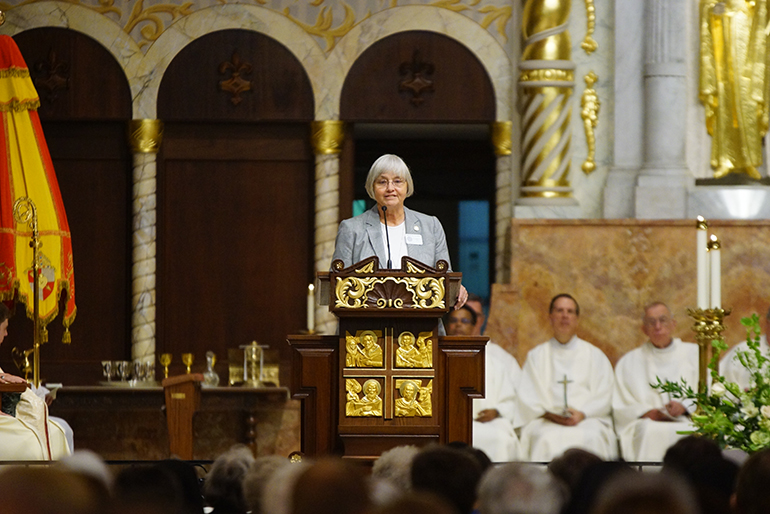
pixel 546 82
pixel 145 137
pixel 326 138
pixel 502 143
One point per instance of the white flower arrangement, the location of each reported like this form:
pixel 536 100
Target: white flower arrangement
pixel 733 417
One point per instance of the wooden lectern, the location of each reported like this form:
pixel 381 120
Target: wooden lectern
pixel 388 378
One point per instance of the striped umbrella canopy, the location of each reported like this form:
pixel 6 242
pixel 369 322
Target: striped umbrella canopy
pixel 26 170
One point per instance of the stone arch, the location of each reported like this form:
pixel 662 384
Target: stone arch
pixel 80 19
pixel 185 30
pixel 426 18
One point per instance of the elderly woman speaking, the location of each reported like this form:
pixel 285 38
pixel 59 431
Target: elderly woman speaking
pixel 390 230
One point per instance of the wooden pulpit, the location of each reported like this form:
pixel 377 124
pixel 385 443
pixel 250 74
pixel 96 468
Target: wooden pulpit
pixel 388 378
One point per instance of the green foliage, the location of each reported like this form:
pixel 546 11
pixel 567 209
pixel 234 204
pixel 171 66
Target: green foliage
pixel 733 417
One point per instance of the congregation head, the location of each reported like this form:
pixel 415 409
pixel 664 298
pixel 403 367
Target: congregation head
pixel 390 164
pixel 516 488
pixel 450 473
pixel 461 321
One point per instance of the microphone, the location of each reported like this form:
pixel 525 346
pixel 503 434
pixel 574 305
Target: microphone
pixel 387 237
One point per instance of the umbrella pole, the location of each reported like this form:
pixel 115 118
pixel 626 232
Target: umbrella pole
pixel 24 211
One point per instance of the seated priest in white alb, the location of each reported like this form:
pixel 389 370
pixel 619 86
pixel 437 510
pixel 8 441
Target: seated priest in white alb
pixel 492 416
pixel 731 368
pixel 26 433
pixel 564 397
pixel 646 419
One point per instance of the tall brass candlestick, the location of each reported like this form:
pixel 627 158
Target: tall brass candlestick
pixel 709 325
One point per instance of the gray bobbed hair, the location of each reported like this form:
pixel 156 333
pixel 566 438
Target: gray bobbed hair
pixel 389 163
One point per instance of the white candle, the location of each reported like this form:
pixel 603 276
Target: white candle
pixel 703 263
pixel 716 272
pixel 310 308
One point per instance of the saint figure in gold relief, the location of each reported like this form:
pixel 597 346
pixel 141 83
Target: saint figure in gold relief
pixel 734 82
pixel 415 401
pixel 425 347
pixel 366 354
pixel 368 405
pixel 410 356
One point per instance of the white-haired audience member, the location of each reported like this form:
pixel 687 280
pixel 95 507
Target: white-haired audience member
pixel 278 490
pixel 516 488
pixel 257 477
pixel 223 488
pixel 395 466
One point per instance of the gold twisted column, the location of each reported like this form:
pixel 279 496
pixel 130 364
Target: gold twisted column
pixel 326 137
pixel 546 82
pixel 144 137
pixel 709 325
pixel 502 142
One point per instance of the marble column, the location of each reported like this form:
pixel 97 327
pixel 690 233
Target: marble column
pixel 664 179
pixel 620 190
pixel 327 137
pixel 145 137
pixel 502 143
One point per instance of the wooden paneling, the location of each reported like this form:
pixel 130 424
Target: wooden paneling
pixel 278 87
pixel 235 239
pixel 74 75
pixel 417 76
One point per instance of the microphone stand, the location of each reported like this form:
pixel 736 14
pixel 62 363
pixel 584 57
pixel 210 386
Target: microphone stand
pixel 387 237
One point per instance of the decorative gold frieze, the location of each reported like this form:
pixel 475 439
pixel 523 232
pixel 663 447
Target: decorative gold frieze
pixel 413 353
pixel 363 351
pixel 327 137
pixel 589 112
pixel 414 400
pixel 368 404
pixel 145 136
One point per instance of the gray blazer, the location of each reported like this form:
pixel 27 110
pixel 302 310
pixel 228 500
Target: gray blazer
pixel 361 237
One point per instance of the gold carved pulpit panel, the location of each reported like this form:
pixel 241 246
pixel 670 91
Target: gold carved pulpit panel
pixel 400 386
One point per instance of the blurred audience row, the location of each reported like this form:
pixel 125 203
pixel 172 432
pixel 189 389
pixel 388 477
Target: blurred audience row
pixel 696 478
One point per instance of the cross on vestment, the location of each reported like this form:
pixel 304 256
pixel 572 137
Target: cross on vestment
pixel 564 382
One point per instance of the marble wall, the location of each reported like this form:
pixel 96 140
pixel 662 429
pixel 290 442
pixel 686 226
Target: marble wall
pixel 614 268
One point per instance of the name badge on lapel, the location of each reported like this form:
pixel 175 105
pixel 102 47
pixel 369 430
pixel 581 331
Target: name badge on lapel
pixel 413 239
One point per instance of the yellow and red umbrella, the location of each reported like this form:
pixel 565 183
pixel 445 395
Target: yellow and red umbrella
pixel 26 170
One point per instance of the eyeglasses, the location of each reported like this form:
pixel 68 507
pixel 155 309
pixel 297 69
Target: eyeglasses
pixel 383 183
pixel 651 322
pixel 464 321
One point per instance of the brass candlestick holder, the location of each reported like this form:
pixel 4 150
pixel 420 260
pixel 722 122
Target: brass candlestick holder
pixel 187 360
pixel 709 325
pixel 165 360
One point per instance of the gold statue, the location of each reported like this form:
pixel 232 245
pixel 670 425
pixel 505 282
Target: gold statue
pixel 589 112
pixel 366 355
pixel 733 82
pixel 415 401
pixel 368 405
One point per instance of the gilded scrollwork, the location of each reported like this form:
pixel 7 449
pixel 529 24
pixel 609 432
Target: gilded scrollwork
pixel 362 350
pixel 323 25
pixel 414 399
pixel 427 293
pixel 351 291
pixel 500 15
pixel 367 405
pixel 151 15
